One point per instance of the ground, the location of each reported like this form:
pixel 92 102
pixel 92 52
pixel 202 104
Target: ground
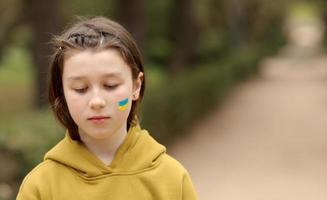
pixel 268 140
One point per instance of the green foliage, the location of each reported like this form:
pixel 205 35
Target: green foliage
pixel 304 11
pixel 23 131
pixel 170 107
pixel 89 8
pixel 16 65
pixel 159 49
pixel 15 82
pixel 212 46
pixel 159 20
pixel 29 135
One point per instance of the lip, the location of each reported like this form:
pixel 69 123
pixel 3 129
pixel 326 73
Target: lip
pixel 98 119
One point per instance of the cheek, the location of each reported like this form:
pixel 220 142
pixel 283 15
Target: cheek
pixel 122 100
pixel 122 94
pixel 75 105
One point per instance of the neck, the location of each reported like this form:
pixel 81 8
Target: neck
pixel 105 148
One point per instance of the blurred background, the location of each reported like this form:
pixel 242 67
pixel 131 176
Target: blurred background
pixel 236 89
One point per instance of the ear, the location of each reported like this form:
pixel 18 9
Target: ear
pixel 137 86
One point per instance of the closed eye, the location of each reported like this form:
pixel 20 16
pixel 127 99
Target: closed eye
pixel 111 87
pixel 81 90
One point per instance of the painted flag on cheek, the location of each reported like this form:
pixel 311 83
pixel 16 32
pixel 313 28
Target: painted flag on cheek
pixel 122 105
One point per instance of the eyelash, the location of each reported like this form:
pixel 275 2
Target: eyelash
pixel 108 87
pixel 111 87
pixel 81 90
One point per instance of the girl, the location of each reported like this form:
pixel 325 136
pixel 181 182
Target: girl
pixel 96 83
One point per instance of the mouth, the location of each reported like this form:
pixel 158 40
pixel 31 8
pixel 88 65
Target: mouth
pixel 98 119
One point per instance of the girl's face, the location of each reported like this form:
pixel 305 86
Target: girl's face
pixel 99 89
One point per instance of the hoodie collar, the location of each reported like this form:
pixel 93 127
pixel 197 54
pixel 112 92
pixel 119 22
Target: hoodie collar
pixel 138 152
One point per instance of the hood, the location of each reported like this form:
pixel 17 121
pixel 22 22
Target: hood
pixel 138 152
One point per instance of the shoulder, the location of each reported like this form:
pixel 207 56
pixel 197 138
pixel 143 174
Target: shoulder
pixel 37 172
pixel 34 182
pixel 173 166
pixel 41 170
pixel 175 170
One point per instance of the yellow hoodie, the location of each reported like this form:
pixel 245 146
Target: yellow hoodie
pixel 140 170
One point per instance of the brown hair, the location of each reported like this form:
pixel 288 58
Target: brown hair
pixel 96 33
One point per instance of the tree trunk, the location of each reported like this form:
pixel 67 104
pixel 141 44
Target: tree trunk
pixel 10 18
pixel 44 18
pixel 185 34
pixel 236 21
pixel 131 14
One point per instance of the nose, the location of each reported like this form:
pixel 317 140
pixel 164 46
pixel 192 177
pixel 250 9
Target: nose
pixel 97 102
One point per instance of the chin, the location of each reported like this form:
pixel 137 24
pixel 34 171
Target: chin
pixel 98 134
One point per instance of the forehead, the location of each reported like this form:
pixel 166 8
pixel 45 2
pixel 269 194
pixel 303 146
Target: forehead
pixel 101 63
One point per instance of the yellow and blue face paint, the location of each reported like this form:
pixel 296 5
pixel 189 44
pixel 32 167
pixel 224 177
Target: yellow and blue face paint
pixel 122 105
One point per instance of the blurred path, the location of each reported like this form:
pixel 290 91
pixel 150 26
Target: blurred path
pixel 267 141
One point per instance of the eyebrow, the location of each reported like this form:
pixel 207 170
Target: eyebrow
pixel 107 75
